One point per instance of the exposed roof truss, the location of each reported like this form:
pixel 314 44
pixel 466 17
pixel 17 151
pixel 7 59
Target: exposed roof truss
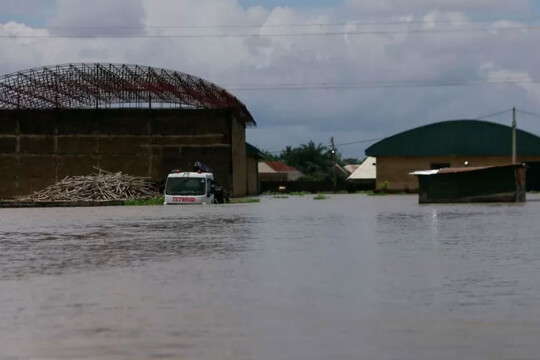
pixel 106 85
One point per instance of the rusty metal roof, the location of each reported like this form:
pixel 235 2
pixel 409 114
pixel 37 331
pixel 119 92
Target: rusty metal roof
pixel 279 166
pixel 106 85
pixel 463 169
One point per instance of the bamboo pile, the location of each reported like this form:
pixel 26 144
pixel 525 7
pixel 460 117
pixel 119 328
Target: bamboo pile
pixel 103 186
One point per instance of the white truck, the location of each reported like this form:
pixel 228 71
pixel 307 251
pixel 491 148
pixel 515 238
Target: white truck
pixel 193 187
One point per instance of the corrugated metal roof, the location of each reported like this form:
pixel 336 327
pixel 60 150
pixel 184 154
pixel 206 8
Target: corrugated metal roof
pixel 351 168
pixel 366 170
pixel 457 137
pixel 264 168
pixel 279 166
pixel 462 169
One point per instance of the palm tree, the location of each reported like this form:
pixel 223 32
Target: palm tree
pixel 313 160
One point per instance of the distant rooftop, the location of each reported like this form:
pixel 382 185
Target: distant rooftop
pixel 274 168
pixel 279 166
pixel 366 171
pixel 458 138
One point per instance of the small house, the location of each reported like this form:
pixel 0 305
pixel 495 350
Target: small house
pixel 499 183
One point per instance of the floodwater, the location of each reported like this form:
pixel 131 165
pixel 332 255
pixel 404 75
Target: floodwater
pixel 350 277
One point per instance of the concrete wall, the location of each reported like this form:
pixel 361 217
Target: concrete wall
pixel 396 169
pixel 40 147
pixel 252 179
pixel 238 150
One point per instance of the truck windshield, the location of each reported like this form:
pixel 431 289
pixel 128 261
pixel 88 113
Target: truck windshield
pixel 185 186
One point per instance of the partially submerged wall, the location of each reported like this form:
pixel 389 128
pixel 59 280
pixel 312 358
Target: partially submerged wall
pixel 40 147
pixel 395 170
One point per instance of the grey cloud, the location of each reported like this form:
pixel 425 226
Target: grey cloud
pixel 401 7
pixel 98 17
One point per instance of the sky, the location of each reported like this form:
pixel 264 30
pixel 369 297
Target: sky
pixel 354 70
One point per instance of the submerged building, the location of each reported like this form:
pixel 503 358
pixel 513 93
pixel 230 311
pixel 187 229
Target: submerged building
pixel 455 143
pixel 499 183
pixel 70 119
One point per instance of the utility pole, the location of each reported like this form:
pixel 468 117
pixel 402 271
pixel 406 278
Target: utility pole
pixel 514 147
pixel 334 163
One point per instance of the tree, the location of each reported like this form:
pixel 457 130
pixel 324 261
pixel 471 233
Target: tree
pixel 313 160
pixel 351 161
pixel 268 156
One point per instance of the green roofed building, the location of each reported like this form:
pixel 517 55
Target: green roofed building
pixel 455 143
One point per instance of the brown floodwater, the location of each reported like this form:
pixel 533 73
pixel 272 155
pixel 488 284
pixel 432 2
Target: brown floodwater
pixel 350 277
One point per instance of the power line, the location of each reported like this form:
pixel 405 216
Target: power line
pixel 359 142
pixel 335 145
pixel 494 114
pixel 528 113
pixel 252 35
pixel 377 85
pixel 264 25
pixel 477 118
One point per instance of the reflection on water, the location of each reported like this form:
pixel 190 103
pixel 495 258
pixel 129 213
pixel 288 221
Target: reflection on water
pixel 64 248
pixel 351 277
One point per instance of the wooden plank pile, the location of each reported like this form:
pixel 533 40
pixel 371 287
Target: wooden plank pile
pixel 103 186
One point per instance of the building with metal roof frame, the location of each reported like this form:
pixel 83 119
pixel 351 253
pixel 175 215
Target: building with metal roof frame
pixel 106 85
pixel 67 119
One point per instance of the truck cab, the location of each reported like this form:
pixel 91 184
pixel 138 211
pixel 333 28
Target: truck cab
pixel 184 188
pixel 194 187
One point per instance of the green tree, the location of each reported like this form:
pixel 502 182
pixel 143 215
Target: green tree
pixel 268 156
pixel 351 161
pixel 313 160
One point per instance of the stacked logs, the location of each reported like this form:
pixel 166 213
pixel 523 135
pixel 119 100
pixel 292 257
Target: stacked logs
pixel 103 186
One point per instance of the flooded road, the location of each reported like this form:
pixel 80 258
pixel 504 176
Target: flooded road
pixel 350 277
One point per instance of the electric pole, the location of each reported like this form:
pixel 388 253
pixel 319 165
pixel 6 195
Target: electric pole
pixel 334 163
pixel 514 147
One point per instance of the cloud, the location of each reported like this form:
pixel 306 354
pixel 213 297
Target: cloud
pixel 23 8
pixel 101 17
pixel 399 7
pixel 522 79
pixel 382 71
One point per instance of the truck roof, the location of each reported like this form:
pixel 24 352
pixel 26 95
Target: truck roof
pixel 191 174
